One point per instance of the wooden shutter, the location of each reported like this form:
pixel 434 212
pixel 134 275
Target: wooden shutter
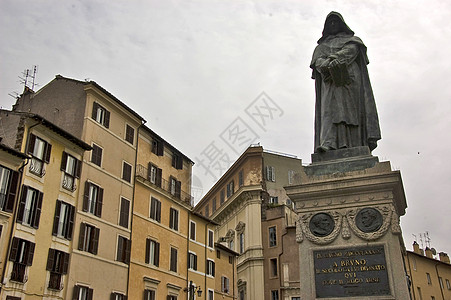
pixel 95 240
pixel 65 263
pixel 158 177
pixel 48 150
pixel 178 189
pixel 176 223
pixel 90 292
pixel 113 296
pixel 30 253
pixel 99 203
pixel 23 199
pixel 157 254
pixel 14 247
pixel 31 143
pixel 81 237
pixel 63 161
pixel 195 261
pixel 120 248
pixel 128 246
pixel 70 226
pixel 95 106
pixel 158 211
pixel 86 197
pixel 12 191
pixel 173 259
pixel 213 268
pixel 160 148
pixel 78 165
pixel 76 292
pixel 50 260
pixel 106 122
pixel 124 213
pixel 37 213
pixel 147 258
pixel 56 218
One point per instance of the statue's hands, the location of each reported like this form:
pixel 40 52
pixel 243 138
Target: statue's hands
pixel 324 67
pixel 334 63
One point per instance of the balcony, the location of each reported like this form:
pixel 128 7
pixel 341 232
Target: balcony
pixel 18 273
pixel 143 172
pixel 37 167
pixel 69 182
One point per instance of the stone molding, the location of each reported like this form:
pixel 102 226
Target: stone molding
pixel 345 223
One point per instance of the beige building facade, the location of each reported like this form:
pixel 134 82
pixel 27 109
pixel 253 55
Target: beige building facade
pixel 429 278
pixel 254 215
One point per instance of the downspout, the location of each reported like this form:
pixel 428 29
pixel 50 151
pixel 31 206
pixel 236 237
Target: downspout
pixel 206 266
pixel 280 264
pixel 412 290
pixel 187 252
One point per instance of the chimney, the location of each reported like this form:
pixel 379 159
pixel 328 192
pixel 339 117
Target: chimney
pixel 416 248
pixel 444 257
pixel 428 252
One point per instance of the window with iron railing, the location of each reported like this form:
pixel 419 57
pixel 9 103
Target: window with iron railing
pixel 40 154
pixel 72 170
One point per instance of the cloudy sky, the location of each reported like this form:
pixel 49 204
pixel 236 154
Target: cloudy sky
pixel 196 71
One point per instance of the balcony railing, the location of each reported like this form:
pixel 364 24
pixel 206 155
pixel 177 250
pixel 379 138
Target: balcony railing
pixel 37 167
pixel 18 273
pixel 69 182
pixel 143 172
pixel 55 281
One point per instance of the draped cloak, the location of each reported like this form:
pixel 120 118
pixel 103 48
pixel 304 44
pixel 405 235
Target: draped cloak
pixel 351 105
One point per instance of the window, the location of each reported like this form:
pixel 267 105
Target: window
pixel 221 197
pixel 273 200
pixel 21 254
pixel 230 259
pixel 241 238
pixel 207 211
pixel 30 205
pixel 124 212
pixel 224 284
pixel 93 199
pixel 240 178
pixel 175 187
pixel 157 147
pixel 242 295
pixel 129 134
pixel 171 297
pixel 213 204
pixel 270 174
pixel 96 155
pixel 295 298
pixel 8 188
pixel 173 219
pixel 275 295
pixel 155 175
pixel 230 189
pixel 57 264
pixel 291 175
pixel 149 295
pixel 272 236
pixel 152 252
pixel 192 231
pixel 210 267
pixel 192 261
pixel 72 170
pixel 177 161
pixel 419 293
pixel 118 296
pixel 126 172
pixel 448 285
pixel 155 209
pixel 63 222
pixel 82 293
pixel 210 238
pixel 210 294
pixel 89 238
pixel 173 260
pixel 232 244
pixel 218 254
pixel 440 280
pixel 273 267
pixel 429 278
pixel 123 249
pixel 40 154
pixel 13 298
pixel 101 115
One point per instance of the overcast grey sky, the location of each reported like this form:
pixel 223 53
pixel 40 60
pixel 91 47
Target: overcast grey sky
pixel 194 69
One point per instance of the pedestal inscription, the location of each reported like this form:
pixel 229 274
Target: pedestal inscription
pixel 347 272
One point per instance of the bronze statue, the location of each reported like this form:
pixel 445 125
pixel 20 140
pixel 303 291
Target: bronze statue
pixel 345 110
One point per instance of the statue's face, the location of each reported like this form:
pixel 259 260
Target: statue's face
pixel 334 25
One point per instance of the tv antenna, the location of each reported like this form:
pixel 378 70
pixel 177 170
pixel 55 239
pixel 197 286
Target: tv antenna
pixel 28 78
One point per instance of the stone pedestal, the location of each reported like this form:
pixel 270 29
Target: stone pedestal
pixel 348 232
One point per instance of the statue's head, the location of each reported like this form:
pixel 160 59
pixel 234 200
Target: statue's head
pixel 335 24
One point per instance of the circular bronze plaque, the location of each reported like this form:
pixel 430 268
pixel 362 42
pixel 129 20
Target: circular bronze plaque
pixel 321 224
pixel 368 220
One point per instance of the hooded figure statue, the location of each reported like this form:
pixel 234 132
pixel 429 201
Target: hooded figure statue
pixel 345 110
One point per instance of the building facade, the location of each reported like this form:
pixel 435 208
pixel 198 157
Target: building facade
pixel 255 219
pixel 429 278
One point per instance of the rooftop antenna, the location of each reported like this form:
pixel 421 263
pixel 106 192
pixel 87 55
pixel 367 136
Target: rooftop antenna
pixel 421 241
pixel 428 240
pixel 29 76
